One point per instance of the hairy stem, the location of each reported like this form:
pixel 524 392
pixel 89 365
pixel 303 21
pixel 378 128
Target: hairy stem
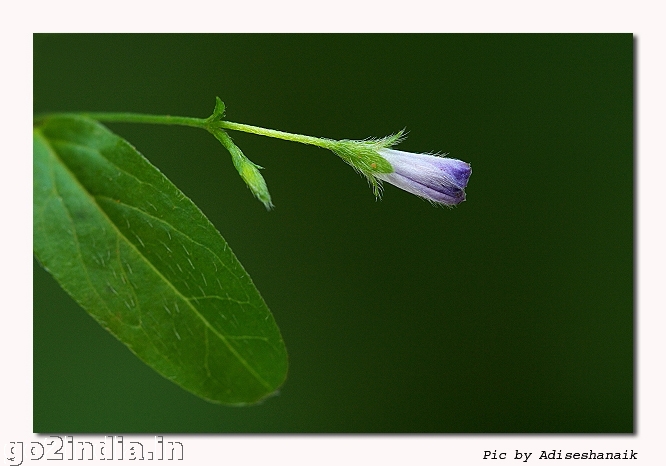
pixel 209 124
pixel 272 133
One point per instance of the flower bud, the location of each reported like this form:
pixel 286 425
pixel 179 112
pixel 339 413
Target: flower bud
pixel 248 170
pixel 440 180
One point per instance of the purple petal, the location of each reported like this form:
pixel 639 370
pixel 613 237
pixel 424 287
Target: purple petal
pixel 437 179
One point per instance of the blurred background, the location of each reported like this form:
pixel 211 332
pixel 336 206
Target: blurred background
pixel 512 312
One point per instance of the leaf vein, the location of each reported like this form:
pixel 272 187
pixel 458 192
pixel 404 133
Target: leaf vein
pixel 94 200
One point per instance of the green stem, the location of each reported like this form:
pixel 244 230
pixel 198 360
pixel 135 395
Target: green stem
pixel 272 133
pixel 144 118
pixel 132 118
pixel 209 124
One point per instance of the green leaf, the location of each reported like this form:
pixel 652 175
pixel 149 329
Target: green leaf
pixel 146 263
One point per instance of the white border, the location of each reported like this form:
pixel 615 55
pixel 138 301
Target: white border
pixel 643 18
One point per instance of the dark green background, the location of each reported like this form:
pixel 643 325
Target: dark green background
pixel 511 313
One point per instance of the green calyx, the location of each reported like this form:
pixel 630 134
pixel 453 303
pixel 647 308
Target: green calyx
pixel 365 158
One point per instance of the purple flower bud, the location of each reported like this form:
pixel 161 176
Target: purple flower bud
pixel 437 179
